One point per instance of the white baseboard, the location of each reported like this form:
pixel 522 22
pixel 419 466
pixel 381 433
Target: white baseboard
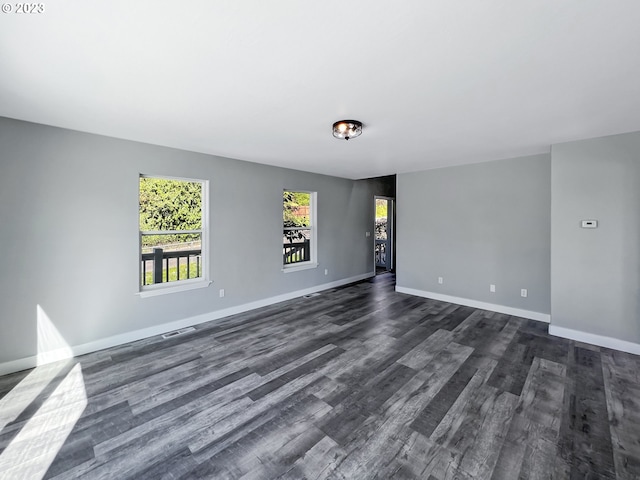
pixel 61 354
pixel 593 339
pixel 517 312
pixel 18 365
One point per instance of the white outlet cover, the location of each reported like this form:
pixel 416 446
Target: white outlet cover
pixel 492 288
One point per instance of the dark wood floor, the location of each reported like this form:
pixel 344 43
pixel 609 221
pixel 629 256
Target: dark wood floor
pixel 359 382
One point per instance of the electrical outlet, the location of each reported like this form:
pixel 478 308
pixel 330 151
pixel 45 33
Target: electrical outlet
pixel 326 271
pixel 368 234
pixel 523 292
pixel 492 288
pixel 221 292
pixel 440 280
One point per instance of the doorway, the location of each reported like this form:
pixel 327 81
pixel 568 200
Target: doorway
pixel 383 229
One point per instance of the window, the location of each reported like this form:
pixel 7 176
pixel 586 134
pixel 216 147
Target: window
pixel 299 229
pixel 172 232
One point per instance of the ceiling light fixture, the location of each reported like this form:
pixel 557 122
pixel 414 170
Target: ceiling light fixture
pixel 347 129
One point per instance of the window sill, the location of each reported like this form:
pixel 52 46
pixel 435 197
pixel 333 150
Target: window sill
pixel 302 266
pixel 165 290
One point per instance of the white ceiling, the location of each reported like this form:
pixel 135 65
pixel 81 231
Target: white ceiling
pixel 435 82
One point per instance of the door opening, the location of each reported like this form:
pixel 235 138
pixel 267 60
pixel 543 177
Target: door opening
pixel 383 234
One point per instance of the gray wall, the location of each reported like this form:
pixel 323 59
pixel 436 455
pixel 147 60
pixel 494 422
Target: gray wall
pixel 475 225
pixel 596 273
pixel 69 241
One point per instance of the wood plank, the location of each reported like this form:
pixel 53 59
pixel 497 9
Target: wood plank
pixel 621 375
pixel 585 436
pixel 419 356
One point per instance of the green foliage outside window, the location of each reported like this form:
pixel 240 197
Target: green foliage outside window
pixel 169 205
pixel 381 208
pixel 295 213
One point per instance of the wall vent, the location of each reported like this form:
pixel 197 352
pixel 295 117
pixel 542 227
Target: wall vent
pixel 178 332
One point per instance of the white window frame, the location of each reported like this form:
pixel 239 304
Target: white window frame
pixel 187 284
pixel 313 227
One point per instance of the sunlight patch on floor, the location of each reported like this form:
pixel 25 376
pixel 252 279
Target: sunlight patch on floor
pixel 21 396
pixel 31 452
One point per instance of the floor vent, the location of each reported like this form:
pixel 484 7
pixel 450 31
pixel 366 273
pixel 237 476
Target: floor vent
pixel 311 295
pixel 178 332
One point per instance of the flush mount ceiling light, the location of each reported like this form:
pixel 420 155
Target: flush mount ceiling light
pixel 347 129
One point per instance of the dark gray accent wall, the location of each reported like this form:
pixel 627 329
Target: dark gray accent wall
pixel 384 186
pixel 69 234
pixel 596 272
pixel 476 225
